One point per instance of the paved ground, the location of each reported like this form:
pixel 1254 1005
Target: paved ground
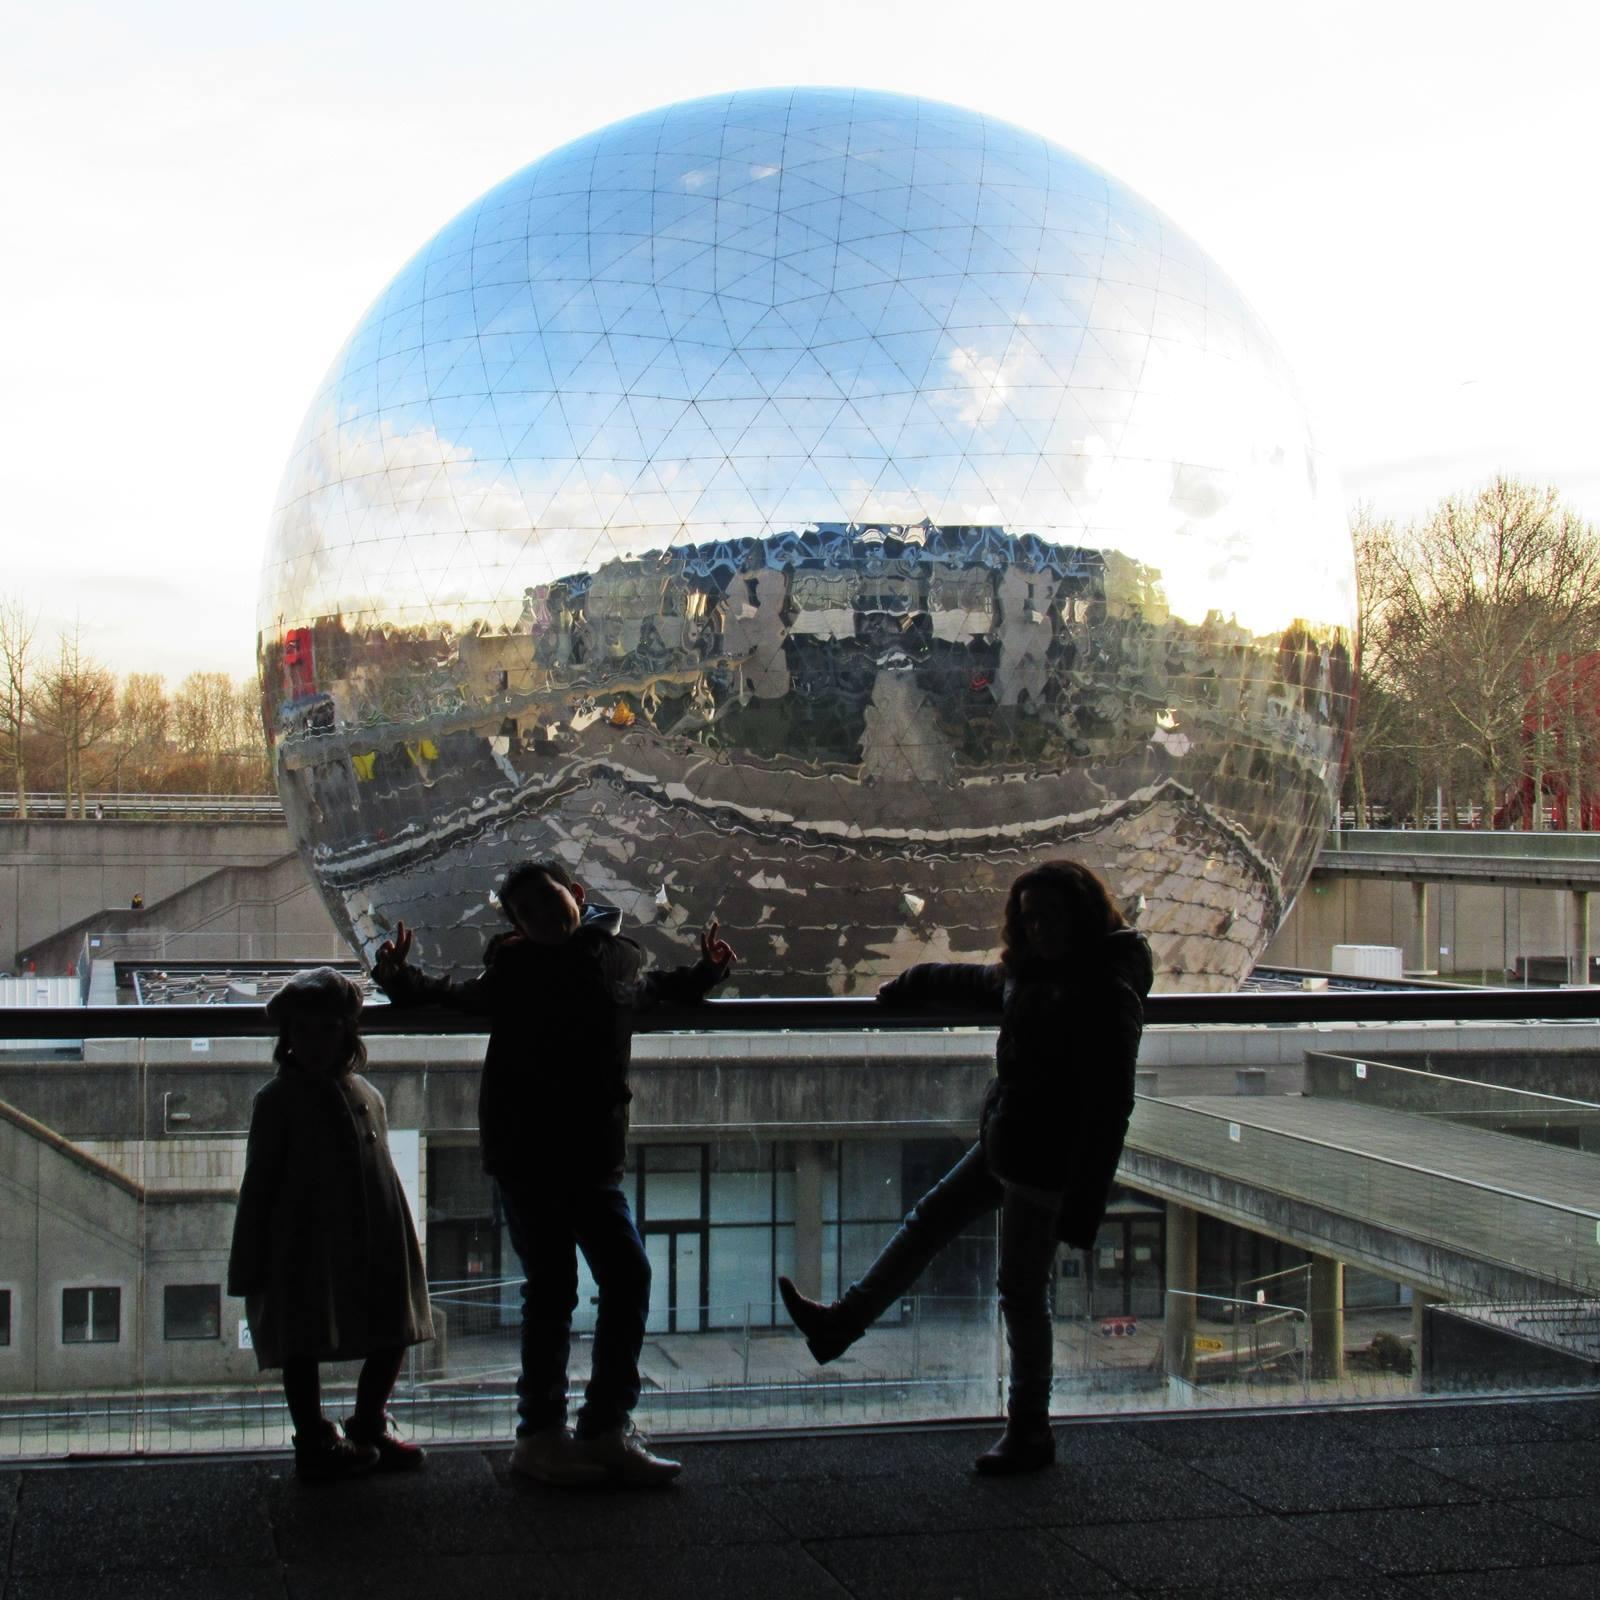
pixel 1433 1500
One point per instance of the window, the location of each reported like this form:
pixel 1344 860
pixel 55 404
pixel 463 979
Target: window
pixel 192 1310
pixel 5 1317
pixel 91 1316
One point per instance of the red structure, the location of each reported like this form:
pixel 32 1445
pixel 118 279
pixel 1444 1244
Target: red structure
pixel 1561 743
pixel 299 667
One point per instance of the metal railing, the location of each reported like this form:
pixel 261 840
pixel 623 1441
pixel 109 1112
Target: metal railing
pixel 107 805
pixel 1367 1192
pixel 741 1366
pixel 853 1015
pixel 1214 1342
pixel 1480 844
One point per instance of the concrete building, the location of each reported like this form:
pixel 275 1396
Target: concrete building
pixel 753 1155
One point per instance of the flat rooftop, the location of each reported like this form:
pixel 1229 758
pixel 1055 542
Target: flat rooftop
pixel 1435 1499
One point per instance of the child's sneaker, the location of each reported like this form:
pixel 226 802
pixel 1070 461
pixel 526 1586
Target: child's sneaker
pixel 328 1457
pixel 550 1455
pixel 394 1453
pixel 625 1457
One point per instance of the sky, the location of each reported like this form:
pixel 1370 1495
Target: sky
pixel 201 201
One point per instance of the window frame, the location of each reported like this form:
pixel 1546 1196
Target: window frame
pixel 91 1290
pixel 208 1337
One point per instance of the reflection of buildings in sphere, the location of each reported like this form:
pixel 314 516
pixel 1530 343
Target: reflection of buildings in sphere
pixel 541 579
pixel 927 710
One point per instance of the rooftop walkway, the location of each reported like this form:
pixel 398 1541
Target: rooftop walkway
pixel 1455 855
pixel 1433 1500
pixel 1460 1211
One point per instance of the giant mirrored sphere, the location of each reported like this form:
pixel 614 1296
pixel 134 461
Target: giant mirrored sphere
pixel 809 508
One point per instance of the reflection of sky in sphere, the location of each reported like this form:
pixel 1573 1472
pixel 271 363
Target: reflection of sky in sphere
pixel 741 315
pixel 799 508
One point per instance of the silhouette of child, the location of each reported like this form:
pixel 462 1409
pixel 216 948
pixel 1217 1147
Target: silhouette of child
pixel 324 1249
pixel 560 990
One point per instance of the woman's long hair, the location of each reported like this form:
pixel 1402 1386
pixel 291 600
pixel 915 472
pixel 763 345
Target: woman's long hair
pixel 1091 912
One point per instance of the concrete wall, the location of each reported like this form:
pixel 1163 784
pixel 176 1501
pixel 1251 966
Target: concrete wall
pixel 1471 927
pixel 172 1164
pixel 54 874
pixel 128 1090
pixel 70 1222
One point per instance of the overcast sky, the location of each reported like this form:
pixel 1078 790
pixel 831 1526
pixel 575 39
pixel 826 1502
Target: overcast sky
pixel 200 201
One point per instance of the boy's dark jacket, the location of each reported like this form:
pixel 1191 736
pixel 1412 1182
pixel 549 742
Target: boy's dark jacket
pixel 1056 1114
pixel 553 1099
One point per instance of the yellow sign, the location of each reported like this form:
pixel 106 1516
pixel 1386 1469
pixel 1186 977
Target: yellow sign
pixel 1203 1343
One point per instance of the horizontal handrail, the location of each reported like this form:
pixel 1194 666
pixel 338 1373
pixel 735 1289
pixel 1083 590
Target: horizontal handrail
pixel 46 804
pixel 831 1014
pixel 1480 843
pixel 1435 1079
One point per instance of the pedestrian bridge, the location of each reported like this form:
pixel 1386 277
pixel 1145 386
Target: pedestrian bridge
pixel 1452 855
pixel 1461 1189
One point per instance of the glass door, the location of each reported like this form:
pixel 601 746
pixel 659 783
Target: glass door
pixel 677 1297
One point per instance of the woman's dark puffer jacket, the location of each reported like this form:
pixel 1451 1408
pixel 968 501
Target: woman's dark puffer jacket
pixel 1057 1112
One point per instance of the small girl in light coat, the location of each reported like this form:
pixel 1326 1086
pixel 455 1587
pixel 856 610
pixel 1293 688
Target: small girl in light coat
pixel 324 1249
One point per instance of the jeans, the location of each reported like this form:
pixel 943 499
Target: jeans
pixel 549 1225
pixel 1027 1252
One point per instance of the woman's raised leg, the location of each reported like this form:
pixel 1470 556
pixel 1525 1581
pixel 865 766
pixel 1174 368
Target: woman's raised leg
pixel 959 1198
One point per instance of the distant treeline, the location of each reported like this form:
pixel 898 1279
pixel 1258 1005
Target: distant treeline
pixel 1478 662
pixel 71 725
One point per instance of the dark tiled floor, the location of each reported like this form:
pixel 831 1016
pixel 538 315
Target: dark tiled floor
pixel 1435 1502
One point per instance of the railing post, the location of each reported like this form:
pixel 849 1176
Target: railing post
pixel 1578 961
pixel 808 1217
pixel 1418 943
pixel 747 1344
pixel 1327 1317
pixel 1183 1271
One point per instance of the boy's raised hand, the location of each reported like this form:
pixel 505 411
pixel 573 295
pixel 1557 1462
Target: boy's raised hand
pixel 715 952
pixel 392 954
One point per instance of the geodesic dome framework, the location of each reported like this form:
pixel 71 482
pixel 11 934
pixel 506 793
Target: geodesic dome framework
pixel 810 507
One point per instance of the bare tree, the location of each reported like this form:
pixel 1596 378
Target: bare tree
pixel 203 720
pixel 17 627
pixel 76 707
pixel 1487 596
pixel 1376 708
pixel 254 768
pixel 144 722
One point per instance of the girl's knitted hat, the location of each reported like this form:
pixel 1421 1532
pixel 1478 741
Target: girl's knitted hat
pixel 320 991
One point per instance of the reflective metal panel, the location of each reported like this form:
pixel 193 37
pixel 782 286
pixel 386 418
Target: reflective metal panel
pixel 809 507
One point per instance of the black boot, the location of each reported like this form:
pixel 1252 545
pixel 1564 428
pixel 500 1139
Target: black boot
pixel 1023 1447
pixel 827 1337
